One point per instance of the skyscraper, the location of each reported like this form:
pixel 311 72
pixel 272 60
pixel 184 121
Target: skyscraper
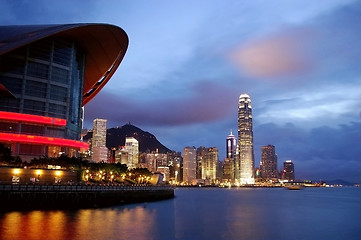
pixel 268 162
pixel 231 146
pixel 189 164
pixel 209 164
pixel 132 147
pixel 245 141
pixel 288 172
pixel 229 161
pixel 99 149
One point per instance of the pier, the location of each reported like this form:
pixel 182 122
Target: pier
pixel 34 196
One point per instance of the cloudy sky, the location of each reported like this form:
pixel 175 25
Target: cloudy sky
pixel 188 62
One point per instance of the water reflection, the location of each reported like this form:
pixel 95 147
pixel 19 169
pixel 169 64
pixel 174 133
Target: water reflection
pixel 259 214
pixel 134 222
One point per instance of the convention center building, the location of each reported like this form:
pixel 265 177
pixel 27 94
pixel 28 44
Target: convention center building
pixel 47 74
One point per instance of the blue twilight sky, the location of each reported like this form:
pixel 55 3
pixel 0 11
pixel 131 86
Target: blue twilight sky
pixel 188 62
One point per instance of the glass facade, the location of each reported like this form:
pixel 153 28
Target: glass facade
pixel 46 77
pixel 245 140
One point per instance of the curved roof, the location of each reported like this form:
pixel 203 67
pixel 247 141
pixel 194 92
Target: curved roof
pixel 105 46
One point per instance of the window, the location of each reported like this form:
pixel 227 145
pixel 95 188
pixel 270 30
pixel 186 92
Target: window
pixel 40 50
pixel 62 53
pixel 58 93
pixel 56 110
pixel 34 107
pixel 38 70
pixel 59 75
pixel 35 89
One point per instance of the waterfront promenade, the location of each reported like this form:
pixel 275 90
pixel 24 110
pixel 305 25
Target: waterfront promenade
pixel 35 196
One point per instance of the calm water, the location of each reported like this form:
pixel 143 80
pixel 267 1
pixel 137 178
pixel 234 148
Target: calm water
pixel 204 213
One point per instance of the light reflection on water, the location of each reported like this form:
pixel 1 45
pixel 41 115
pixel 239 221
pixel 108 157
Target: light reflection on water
pixel 203 214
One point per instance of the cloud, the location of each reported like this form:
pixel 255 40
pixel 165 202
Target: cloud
pixel 209 102
pixel 276 55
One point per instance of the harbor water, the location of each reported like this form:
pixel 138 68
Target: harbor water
pixel 203 213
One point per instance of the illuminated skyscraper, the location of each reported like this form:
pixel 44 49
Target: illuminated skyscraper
pixel 189 164
pixel 245 141
pixel 268 162
pixel 209 164
pixel 231 146
pixel 132 147
pixel 99 149
pixel 229 161
pixel 288 172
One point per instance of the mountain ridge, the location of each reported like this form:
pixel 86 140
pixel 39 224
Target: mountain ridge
pixel 116 137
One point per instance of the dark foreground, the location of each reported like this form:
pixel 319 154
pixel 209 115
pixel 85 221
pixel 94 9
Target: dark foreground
pixel 30 197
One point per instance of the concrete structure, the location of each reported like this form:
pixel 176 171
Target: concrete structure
pixel 245 156
pixel 47 73
pixel 189 165
pixel 268 165
pixel 98 146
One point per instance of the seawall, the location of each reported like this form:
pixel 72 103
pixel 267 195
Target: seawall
pixel 29 197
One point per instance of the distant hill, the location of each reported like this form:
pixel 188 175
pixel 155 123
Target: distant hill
pixel 147 141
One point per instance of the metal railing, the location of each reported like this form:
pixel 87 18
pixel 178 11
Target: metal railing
pixel 79 188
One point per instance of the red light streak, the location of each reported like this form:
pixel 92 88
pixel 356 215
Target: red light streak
pixel 23 138
pixel 32 118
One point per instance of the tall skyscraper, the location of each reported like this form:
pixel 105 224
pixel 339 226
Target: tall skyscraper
pixel 99 149
pixel 245 141
pixel 268 164
pixel 288 172
pixel 189 164
pixel 132 147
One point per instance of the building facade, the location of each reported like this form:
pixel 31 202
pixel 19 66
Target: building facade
pixel 47 73
pixel 98 146
pixel 230 160
pixel 288 172
pixel 132 147
pixel 189 165
pixel 209 165
pixel 268 165
pixel 245 158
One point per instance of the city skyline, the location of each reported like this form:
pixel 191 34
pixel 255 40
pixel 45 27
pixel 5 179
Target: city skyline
pixel 188 62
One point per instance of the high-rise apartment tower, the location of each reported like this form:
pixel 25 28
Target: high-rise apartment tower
pixel 189 164
pixel 99 149
pixel 268 164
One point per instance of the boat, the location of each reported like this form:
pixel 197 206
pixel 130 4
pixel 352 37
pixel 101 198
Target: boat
pixel 294 187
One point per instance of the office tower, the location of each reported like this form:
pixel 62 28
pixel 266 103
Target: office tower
pixel 288 172
pixel 245 156
pixel 229 161
pixel 209 164
pixel 189 165
pixel 201 153
pixel 268 164
pixel 132 147
pixel 47 74
pixel 231 146
pixel 99 149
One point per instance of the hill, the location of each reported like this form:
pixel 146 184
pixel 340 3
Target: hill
pixel 147 141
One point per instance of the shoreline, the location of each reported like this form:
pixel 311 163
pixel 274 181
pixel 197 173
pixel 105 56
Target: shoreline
pixel 40 197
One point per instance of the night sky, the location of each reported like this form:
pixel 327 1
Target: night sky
pixel 188 62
